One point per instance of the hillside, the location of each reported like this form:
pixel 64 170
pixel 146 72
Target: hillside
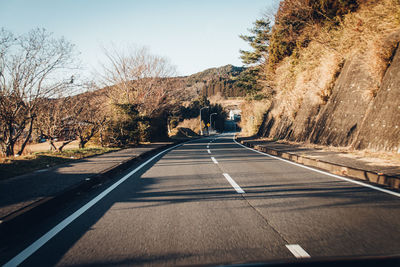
pixel 220 82
pixel 341 87
pixel 211 82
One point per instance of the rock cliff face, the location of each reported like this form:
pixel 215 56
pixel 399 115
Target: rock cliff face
pixel 354 115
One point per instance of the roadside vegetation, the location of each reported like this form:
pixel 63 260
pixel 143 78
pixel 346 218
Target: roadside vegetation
pixel 301 54
pixel 133 99
pixel 252 116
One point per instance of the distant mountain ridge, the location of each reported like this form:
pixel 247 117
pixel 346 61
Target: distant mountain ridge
pixel 213 81
pixel 227 71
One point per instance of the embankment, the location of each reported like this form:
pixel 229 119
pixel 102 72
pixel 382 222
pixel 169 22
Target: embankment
pixel 344 91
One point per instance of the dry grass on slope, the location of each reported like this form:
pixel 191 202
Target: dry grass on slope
pixel 371 32
pixel 192 124
pixel 311 72
pixel 252 116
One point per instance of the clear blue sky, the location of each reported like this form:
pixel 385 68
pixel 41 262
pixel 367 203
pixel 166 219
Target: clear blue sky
pixel 193 35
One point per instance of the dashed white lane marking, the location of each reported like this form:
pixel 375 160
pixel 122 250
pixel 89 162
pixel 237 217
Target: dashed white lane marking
pixel 208 150
pixel 298 251
pixel 214 160
pixel 233 184
pixel 322 172
pixel 23 255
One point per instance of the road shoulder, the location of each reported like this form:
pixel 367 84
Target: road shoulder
pixel 27 198
pixel 338 163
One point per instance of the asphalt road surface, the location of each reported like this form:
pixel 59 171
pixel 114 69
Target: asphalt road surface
pixel 212 201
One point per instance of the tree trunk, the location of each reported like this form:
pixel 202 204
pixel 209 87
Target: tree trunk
pixel 27 137
pixel 84 139
pixel 63 145
pixel 82 142
pixel 101 138
pixel 52 145
pixel 10 142
pixel 10 148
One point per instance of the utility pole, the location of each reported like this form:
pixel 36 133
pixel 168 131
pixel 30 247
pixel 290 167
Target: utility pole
pixel 201 129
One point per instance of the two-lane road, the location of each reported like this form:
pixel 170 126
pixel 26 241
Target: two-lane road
pixel 213 201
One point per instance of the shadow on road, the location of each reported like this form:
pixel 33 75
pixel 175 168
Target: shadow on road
pixel 163 190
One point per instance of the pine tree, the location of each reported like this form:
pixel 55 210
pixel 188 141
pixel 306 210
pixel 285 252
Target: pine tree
pixel 259 41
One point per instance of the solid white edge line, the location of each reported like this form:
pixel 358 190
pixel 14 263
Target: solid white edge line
pixel 323 172
pixel 208 150
pixel 233 184
pixel 214 160
pixel 298 251
pixel 27 252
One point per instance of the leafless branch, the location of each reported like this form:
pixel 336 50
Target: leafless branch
pixel 32 67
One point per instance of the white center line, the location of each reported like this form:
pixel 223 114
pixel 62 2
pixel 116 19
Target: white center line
pixel 208 150
pixel 214 160
pixel 233 184
pixel 298 251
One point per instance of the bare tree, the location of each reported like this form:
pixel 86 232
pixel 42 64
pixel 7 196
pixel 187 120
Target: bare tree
pixel 54 121
pixel 74 117
pixel 90 116
pixel 33 67
pixel 135 76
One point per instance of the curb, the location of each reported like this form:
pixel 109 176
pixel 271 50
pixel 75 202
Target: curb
pixel 391 181
pixel 43 207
